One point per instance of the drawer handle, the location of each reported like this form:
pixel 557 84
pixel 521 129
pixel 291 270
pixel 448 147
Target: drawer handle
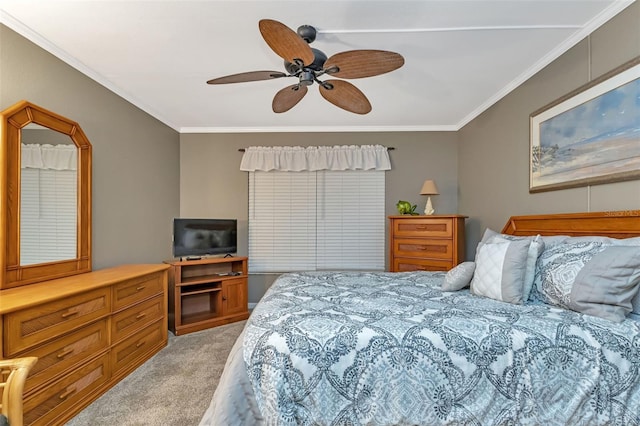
pixel 140 343
pixel 421 227
pixel 69 314
pixel 142 287
pixel 66 394
pixel 141 315
pixel 65 352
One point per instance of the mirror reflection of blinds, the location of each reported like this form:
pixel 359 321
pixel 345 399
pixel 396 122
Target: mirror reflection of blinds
pixel 47 215
pixel 325 220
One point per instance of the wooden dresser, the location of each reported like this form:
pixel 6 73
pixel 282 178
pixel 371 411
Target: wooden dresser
pixel 426 243
pixel 88 331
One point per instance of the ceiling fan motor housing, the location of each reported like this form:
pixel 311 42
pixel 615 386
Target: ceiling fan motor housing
pixel 319 58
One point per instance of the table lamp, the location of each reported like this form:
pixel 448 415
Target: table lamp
pixel 429 188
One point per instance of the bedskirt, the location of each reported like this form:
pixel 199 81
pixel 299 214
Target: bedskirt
pixel 393 349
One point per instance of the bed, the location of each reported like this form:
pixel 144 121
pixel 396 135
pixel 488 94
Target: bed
pixel 548 333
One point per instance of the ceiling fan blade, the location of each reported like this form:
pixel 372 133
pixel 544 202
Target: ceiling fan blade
pixel 346 96
pixel 363 63
pixel 288 97
pixel 247 76
pixel 285 42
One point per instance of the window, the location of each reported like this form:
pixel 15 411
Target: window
pixel 316 220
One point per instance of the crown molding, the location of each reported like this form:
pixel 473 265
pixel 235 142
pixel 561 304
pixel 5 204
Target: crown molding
pixel 318 129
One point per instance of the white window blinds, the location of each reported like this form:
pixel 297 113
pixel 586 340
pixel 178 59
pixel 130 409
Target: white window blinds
pixel 322 220
pixel 282 221
pixel 350 220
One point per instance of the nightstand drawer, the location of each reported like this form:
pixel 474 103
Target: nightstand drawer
pixel 423 228
pixel 401 264
pixel 32 326
pixel 138 316
pixel 135 290
pixel 61 354
pixel 423 248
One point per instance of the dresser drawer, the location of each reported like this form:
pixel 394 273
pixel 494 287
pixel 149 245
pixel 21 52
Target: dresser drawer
pixel 401 264
pixel 136 317
pixel 423 248
pixel 423 228
pixel 136 346
pixel 32 326
pixel 45 406
pixel 59 355
pixel 135 290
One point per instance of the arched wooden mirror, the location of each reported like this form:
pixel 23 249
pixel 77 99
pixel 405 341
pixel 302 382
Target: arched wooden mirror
pixel 45 204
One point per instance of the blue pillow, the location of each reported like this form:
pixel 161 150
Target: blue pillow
pixel 592 277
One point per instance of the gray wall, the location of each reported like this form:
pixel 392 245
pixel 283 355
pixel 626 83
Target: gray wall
pixel 135 157
pixel 212 185
pixel 494 148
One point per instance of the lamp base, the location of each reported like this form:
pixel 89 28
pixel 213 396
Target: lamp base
pixel 428 209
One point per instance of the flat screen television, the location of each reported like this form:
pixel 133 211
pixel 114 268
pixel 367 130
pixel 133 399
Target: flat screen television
pixel 200 237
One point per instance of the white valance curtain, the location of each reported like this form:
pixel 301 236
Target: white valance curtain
pixel 49 157
pixel 315 158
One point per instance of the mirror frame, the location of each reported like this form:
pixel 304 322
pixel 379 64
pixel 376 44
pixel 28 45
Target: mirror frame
pixel 13 120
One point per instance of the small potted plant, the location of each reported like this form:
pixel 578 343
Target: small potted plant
pixel 405 207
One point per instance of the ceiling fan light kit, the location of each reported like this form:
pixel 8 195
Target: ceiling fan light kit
pixel 307 64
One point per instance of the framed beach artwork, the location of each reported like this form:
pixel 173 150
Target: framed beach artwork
pixel 590 136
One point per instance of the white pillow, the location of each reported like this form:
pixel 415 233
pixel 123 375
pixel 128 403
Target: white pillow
pixel 500 270
pixel 535 249
pixel 459 277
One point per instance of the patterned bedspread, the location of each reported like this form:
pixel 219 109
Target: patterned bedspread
pixel 392 349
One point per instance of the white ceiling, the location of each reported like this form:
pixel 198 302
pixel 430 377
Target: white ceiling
pixel 460 56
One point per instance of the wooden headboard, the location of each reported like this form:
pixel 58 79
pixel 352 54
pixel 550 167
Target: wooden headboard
pixel 615 224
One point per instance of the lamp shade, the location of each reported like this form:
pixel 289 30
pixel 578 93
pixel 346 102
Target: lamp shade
pixel 429 188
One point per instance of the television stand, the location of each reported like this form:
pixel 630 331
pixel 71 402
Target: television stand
pixel 207 292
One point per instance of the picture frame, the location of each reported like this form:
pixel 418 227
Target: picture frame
pixel 590 136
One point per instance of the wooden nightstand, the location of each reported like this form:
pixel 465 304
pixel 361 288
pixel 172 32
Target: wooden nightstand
pixel 426 243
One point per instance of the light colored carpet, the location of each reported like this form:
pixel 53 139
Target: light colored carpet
pixel 172 388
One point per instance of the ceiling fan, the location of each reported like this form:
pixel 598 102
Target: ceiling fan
pixel 307 64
